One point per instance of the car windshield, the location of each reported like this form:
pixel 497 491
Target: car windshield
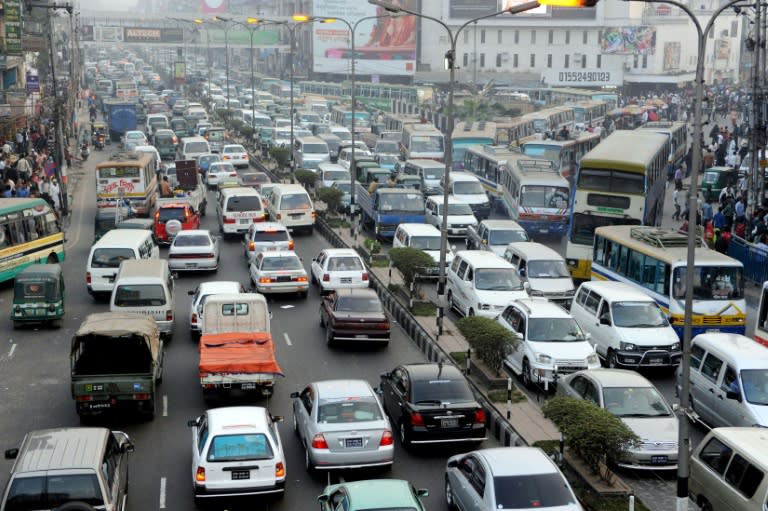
pixel 388 147
pixel 165 214
pixel 497 279
pixel 281 263
pixel 551 197
pixel 348 409
pixel 344 187
pixel 335 175
pixel 441 391
pixel 357 304
pixel 295 201
pixel 711 283
pixel 505 237
pixel 192 240
pixel 548 270
pixel 426 242
pixel 345 263
pixel 244 447
pixel 215 135
pixel 638 315
pixel 221 167
pixel 532 491
pixel 140 295
pixel 434 173
pixel 635 402
pixel 554 330
pixel 455 209
pixel 468 188
pixel 110 257
pixel 196 147
pixel 41 492
pixel 755 383
pixel 244 203
pixel 234 149
pixel 209 159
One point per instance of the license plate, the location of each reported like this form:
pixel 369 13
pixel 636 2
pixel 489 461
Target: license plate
pixel 191 265
pixel 248 386
pixel 353 442
pixel 361 336
pixel 449 423
pixel 296 215
pixel 346 280
pixel 655 361
pixel 658 460
pixel 543 231
pixel 713 330
pixel 245 220
pixel 239 475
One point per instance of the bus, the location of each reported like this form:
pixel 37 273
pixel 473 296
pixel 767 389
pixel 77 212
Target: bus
pixel 342 115
pixel 566 154
pixel 535 195
pixel 282 90
pixel 485 162
pixel 677 133
pixel 589 113
pixel 468 134
pixel 534 125
pixel 395 122
pixel 655 261
pixel 377 95
pixel 30 233
pixel 515 130
pixel 619 182
pixel 422 141
pixel 130 174
pixel 553 119
pixel 126 89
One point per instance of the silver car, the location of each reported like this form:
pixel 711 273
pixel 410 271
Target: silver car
pixel 520 478
pixel 342 425
pixel 631 397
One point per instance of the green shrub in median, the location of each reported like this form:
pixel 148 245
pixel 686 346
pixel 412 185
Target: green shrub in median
pixel 410 262
pixel 280 155
pixel 593 433
pixel 305 177
pixel 488 339
pixel 332 197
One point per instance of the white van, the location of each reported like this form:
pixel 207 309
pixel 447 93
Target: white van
pixel 468 188
pixel 114 247
pixel 192 147
pixel 628 328
pixel 480 283
pixel 292 206
pixel 426 238
pixel 237 208
pixel 729 380
pixel 728 470
pixel 543 269
pixel 459 215
pixel 430 172
pixel 309 152
pixel 146 287
pixel 151 150
pixel 201 294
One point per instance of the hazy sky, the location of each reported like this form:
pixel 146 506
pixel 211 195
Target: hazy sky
pixel 112 5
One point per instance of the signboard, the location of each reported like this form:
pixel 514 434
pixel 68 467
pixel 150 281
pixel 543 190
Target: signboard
pixel 671 56
pixel 142 35
pixel 111 34
pixel 639 40
pixel 186 173
pixel 86 33
pixel 12 15
pixel 470 9
pixel 33 83
pixel 179 72
pixel 5 110
pixel 383 46
pixel 582 77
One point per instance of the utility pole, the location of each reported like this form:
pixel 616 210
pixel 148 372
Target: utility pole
pixel 754 124
pixel 761 120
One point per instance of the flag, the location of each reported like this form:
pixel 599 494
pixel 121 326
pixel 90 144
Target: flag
pixel 214 6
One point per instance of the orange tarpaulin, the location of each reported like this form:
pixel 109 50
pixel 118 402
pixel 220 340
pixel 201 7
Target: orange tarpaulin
pixel 238 352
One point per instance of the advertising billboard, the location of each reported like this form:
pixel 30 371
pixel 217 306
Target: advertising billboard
pixel 638 40
pixel 383 46
pixel 672 56
pixel 12 12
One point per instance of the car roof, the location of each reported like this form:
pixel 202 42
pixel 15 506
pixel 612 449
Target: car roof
pixel 617 377
pixel 502 224
pixel 219 286
pixel 278 253
pixel 234 146
pixel 333 252
pixel 749 353
pixel 333 389
pixel 237 418
pixel 516 461
pixel 534 250
pixel 420 229
pixel 190 232
pixel 372 493
pixel 744 440
pixel 357 291
pixel 430 371
pixel 614 291
pixel 539 307
pixel 61 448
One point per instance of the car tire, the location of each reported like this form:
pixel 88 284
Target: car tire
pixel 451 305
pixel 322 321
pixel 56 323
pixel 329 337
pixel 16 325
pixel 471 312
pixel 705 505
pixel 525 374
pixel 303 294
pixel 449 500
pixel 295 424
pixel 610 360
pixel 405 435
pixel 308 462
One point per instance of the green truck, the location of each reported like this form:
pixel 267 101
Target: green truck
pixel 116 362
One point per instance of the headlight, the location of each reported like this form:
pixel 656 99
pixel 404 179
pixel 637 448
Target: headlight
pixel 675 347
pixel 543 359
pixel 570 292
pixel 535 292
pixel 593 359
pixel 627 346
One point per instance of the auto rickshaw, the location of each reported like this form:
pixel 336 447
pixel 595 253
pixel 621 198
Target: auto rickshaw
pixel 38 295
pixel 717 178
pixel 99 135
pixel 179 127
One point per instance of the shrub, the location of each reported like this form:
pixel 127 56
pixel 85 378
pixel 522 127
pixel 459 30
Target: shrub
pixel 491 341
pixel 373 246
pixel 332 197
pixel 237 125
pixel 410 262
pixel 305 177
pixel 594 434
pixel 280 155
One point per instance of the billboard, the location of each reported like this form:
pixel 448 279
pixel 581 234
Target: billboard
pixel 153 35
pixel 637 40
pixel 12 12
pixel 383 46
pixel 671 56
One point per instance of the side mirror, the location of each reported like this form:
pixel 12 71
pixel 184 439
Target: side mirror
pixel 191 292
pixel 192 423
pixel 526 285
pixel 453 463
pixel 587 336
pixel 521 272
pixel 733 394
pixel 294 395
pixel 379 391
pixel 322 498
pixel 277 418
pixel 605 320
pixel 11 454
pixel 127 447
pixel 422 492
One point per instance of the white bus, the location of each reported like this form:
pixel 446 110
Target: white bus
pixel 566 154
pixel 677 133
pixel 422 141
pixel 131 175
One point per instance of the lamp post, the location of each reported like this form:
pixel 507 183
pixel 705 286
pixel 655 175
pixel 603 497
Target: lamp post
pixel 226 57
pixel 683 431
pixel 199 21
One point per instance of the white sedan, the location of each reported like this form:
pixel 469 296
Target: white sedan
pixel 279 271
pixel 338 268
pixel 194 250
pixel 235 154
pixel 136 137
pixel 219 171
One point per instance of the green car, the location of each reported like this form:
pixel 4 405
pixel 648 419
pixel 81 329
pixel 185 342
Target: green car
pixel 378 494
pixel 38 295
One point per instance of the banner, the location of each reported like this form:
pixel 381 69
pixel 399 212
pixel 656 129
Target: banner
pixel 86 33
pixel 672 56
pixel 383 46
pixel 639 40
pixel 469 9
pixel 722 49
pixel 33 83
pixel 179 72
pixel 12 13
pixel 237 37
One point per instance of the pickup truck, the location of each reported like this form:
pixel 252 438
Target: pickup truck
pixel 237 356
pixel 386 208
pixel 495 235
pixel 116 361
pixel 194 196
pixel 170 218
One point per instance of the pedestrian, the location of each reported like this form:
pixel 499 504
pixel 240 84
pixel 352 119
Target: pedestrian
pixel 55 193
pixel 718 221
pixel 739 211
pixel 676 202
pixel 679 178
pixel 165 188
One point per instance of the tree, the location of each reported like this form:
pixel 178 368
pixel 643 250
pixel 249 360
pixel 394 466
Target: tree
pixel 280 154
pixel 491 341
pixel 410 262
pixel 332 197
pixel 306 177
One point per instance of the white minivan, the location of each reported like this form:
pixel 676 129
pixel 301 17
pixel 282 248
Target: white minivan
pixel 292 206
pixel 106 255
pixel 628 328
pixel 543 269
pixel 423 237
pixel 309 152
pixel 238 208
pixel 459 215
pixel 192 147
pixel 480 283
pixel 146 287
pixel 468 188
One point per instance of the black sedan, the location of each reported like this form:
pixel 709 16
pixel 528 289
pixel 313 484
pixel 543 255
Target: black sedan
pixel 354 315
pixel 432 403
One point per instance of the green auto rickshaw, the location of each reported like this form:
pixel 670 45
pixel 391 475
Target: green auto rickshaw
pixel 717 178
pixel 38 295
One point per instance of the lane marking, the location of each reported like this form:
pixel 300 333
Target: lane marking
pixel 287 339
pixel 10 353
pixel 162 492
pixel 165 405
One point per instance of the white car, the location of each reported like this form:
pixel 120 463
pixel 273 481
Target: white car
pixel 338 268
pixel 200 294
pixel 235 154
pixel 266 237
pixel 219 171
pixel 236 451
pixel 279 272
pixel 460 215
pixel 331 172
pixel 281 137
pixel 194 250
pixel 135 137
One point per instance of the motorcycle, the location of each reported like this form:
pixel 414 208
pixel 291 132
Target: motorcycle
pixel 99 143
pixel 84 152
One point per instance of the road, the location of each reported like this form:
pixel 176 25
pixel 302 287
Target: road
pixel 35 384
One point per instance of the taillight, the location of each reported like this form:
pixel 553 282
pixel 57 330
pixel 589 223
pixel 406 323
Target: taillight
pixel 326 277
pixel 417 419
pixel 290 245
pixel 314 215
pixel 157 216
pixel 169 315
pixel 318 442
pixel 279 469
pixel 200 475
pixel 88 277
pixel 251 246
pixel 233 174
pixel 387 438
pixel 300 279
pixel 365 276
pixel 479 416
pixel 194 318
pixel 264 280
pixel 229 220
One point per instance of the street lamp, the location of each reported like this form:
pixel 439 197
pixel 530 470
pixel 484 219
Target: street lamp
pixel 683 430
pixel 450 61
pixel 226 56
pixel 208 50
